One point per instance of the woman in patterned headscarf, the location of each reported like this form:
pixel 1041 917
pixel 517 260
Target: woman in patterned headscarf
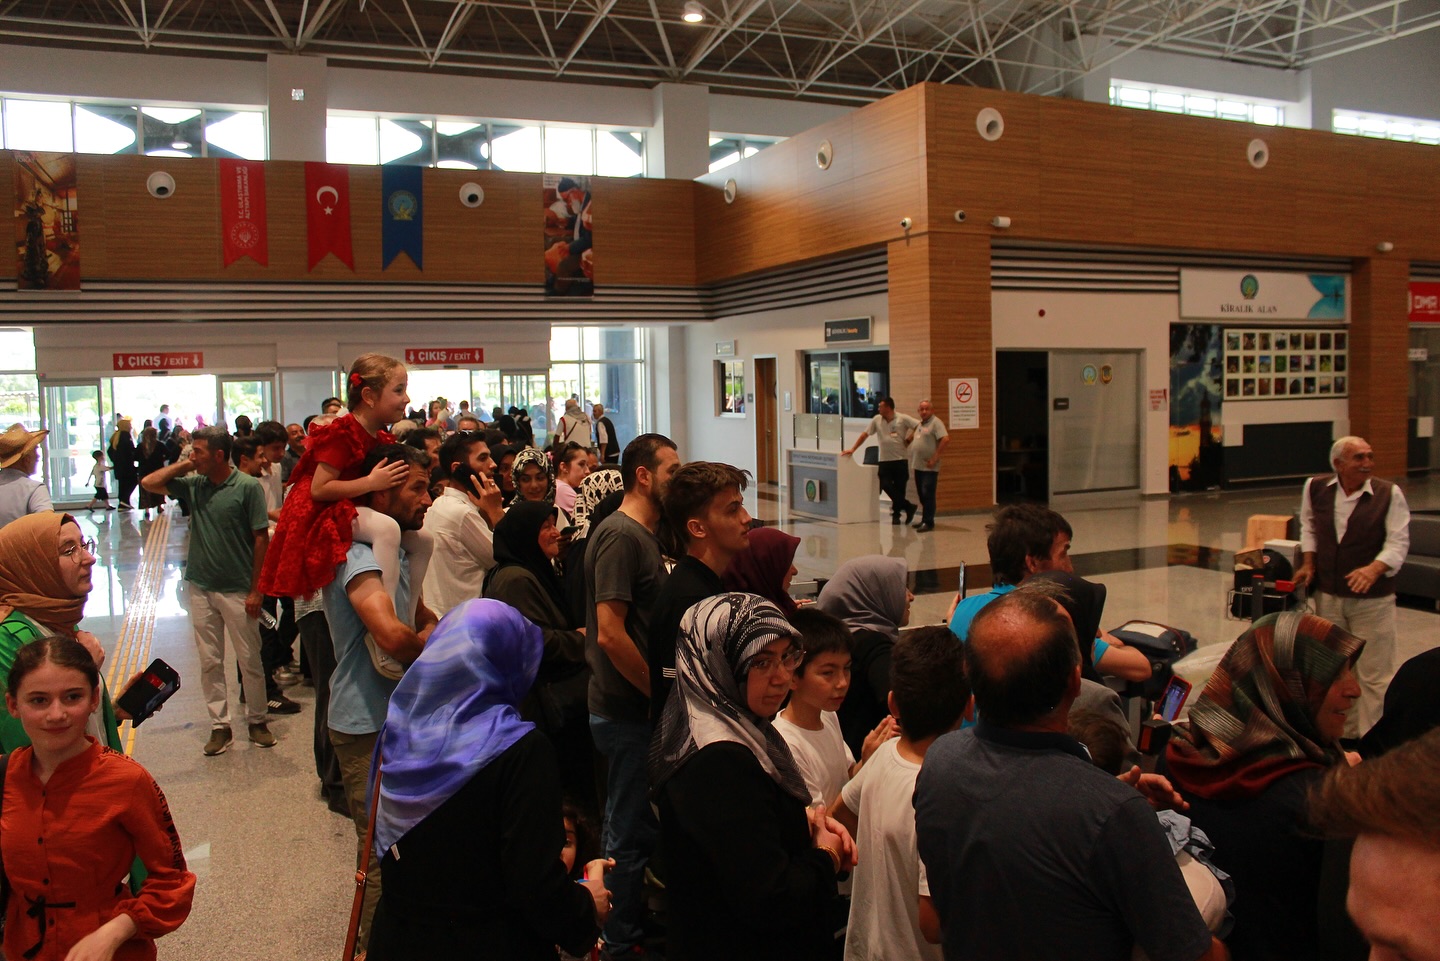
pixel 469 823
pixel 751 868
pixel 534 479
pixel 1259 737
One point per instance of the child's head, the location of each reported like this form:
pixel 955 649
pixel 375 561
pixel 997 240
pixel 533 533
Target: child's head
pixel 823 678
pixel 97 454
pixel 380 374
pixel 54 687
pixel 1105 736
pixel 582 844
pixel 928 689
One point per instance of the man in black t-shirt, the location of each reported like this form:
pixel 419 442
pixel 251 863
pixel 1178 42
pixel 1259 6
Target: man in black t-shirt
pixel 705 504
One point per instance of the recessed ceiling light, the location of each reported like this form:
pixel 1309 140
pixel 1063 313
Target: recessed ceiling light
pixel 181 145
pixel 693 12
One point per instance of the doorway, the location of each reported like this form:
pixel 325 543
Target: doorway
pixel 767 423
pixel 75 416
pixel 1094 421
pixel 1022 426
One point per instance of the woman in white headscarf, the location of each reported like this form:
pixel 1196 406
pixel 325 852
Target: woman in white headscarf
pixel 869 594
pixel 751 867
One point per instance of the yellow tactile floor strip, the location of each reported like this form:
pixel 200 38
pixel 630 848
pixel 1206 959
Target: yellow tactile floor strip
pixel 132 650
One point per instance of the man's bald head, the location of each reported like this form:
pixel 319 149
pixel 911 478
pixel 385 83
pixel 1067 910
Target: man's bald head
pixel 1020 657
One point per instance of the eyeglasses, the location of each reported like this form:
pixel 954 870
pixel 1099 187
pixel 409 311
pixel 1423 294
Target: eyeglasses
pixel 767 663
pixel 73 551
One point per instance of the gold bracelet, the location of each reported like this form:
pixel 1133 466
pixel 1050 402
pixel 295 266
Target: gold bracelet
pixel 834 854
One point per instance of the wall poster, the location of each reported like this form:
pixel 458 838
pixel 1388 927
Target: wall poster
pixel 1196 433
pixel 47 236
pixel 1285 364
pixel 569 250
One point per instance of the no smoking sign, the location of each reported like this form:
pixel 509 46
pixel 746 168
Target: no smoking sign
pixel 964 403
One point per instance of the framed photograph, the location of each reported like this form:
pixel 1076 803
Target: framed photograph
pixel 1318 354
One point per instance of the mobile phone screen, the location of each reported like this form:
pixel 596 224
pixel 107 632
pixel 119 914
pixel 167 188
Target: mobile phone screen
pixel 1174 699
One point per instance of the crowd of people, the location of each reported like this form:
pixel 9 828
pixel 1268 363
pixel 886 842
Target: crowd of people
pixel 537 667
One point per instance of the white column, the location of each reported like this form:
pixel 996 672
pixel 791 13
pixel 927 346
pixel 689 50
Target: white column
pixel 297 126
pixel 679 143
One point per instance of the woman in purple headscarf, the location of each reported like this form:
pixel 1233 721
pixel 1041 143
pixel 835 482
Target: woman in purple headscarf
pixel 469 825
pixel 766 568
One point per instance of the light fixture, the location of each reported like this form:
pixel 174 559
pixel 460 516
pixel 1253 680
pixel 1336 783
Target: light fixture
pixel 1000 223
pixel 693 12
pixel 181 145
pixel 1384 246
pixel 1258 153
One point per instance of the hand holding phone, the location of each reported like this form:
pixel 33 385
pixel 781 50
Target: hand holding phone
pixel 1176 693
pixel 148 690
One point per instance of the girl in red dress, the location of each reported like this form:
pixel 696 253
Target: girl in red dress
pixel 318 521
pixel 76 816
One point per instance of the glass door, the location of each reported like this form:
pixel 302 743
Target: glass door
pixel 75 416
pixel 530 390
pixel 248 394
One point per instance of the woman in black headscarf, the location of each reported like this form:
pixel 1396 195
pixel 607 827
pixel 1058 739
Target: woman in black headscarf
pixel 751 867
pixel 526 545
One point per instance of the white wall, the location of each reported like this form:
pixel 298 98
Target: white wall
pixel 1401 77
pixel 782 334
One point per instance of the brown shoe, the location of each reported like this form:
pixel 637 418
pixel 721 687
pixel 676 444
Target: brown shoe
pixel 260 735
pixel 220 739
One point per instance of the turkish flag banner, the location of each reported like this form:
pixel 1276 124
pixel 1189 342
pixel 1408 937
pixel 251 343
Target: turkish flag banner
pixel 242 211
pixel 327 212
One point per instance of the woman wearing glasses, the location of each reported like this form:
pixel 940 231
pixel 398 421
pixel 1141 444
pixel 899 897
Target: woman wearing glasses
pixel 45 566
pixel 751 866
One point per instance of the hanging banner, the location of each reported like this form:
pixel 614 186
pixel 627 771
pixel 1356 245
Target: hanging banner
pixel 401 224
pixel 1196 433
pixel 47 238
pixel 569 253
pixel 242 211
pixel 1424 302
pixel 327 212
pixel 1263 295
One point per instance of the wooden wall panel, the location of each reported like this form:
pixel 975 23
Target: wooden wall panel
pixel 1379 336
pixel 126 234
pixel 940 328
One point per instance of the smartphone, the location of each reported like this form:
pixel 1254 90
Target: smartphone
pixel 151 689
pixel 1176 693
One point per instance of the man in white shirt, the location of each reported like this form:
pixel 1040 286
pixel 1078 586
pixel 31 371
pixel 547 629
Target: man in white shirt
pixel 1354 534
pixel 461 522
pixel 20 494
pixel 894 432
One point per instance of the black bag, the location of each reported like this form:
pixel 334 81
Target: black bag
pixel 1162 645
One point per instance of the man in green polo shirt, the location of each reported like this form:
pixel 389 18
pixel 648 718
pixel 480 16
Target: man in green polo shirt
pixel 229 531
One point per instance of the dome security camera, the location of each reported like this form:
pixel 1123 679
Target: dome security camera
pixel 160 185
pixel 905 223
pixel 472 194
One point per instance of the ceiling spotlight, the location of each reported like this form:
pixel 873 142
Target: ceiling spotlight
pixel 693 12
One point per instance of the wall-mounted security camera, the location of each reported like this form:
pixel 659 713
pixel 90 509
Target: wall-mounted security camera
pixel 472 194
pixel 160 184
pixel 731 191
pixel 906 223
pixel 1001 222
pixel 959 216
pixel 990 124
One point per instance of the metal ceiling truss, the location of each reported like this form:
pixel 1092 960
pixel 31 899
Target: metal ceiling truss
pixel 845 51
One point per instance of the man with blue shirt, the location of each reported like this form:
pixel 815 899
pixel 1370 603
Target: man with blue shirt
pixel 356 604
pixel 229 533
pixel 1024 539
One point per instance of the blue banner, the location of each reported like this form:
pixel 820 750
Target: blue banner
pixel 402 226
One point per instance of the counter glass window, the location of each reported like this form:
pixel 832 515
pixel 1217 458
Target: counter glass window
pixel 850 383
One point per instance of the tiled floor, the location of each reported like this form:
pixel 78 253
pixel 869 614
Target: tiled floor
pixel 275 865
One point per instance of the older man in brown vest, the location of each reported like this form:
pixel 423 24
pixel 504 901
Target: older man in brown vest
pixel 1354 533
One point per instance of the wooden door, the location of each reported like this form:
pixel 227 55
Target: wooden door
pixel 767 423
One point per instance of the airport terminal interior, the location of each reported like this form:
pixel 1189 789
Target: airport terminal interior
pixel 1147 269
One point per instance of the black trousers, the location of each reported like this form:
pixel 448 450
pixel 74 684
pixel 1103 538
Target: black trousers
pixel 276 645
pixel 894 475
pixel 320 652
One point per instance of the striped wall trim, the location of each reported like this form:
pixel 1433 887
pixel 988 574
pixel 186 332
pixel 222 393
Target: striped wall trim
pixel 1025 266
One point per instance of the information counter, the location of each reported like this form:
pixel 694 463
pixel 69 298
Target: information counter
pixel 831 486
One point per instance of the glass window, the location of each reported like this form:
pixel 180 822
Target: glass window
pixel 603 365
pixel 485 393
pixel 406 142
pixel 172 131
pixel 20 400
pixel 866 374
pixel 620 153
pixel 731 382
pixel 351 140
pixel 565 343
pixel 38 125
pixel 101 128
pixel 612 343
pixel 621 388
pixel 17 349
pixel 1195 102
pixel 462 145
pixel 822 383
pixel 570 150
pixel 723 152
pixel 1385 127
pixel 230 133
pixel 516 148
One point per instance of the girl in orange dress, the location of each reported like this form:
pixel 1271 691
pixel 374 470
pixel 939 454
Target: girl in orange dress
pixel 318 521
pixel 76 815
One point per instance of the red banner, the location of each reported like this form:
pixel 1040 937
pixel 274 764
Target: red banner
pixel 242 211
pixel 444 355
pixel 327 212
pixel 193 360
pixel 1424 303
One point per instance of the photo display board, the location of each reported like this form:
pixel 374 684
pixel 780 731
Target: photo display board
pixel 1286 363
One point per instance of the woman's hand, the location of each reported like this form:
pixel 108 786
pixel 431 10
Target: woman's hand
pixel 388 474
pixel 102 943
pixel 828 833
pixel 595 883
pixel 92 644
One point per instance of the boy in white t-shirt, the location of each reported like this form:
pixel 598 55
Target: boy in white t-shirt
pixel 808 723
pixel 928 695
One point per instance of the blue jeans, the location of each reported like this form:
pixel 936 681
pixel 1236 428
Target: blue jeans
pixel 925 481
pixel 630 827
